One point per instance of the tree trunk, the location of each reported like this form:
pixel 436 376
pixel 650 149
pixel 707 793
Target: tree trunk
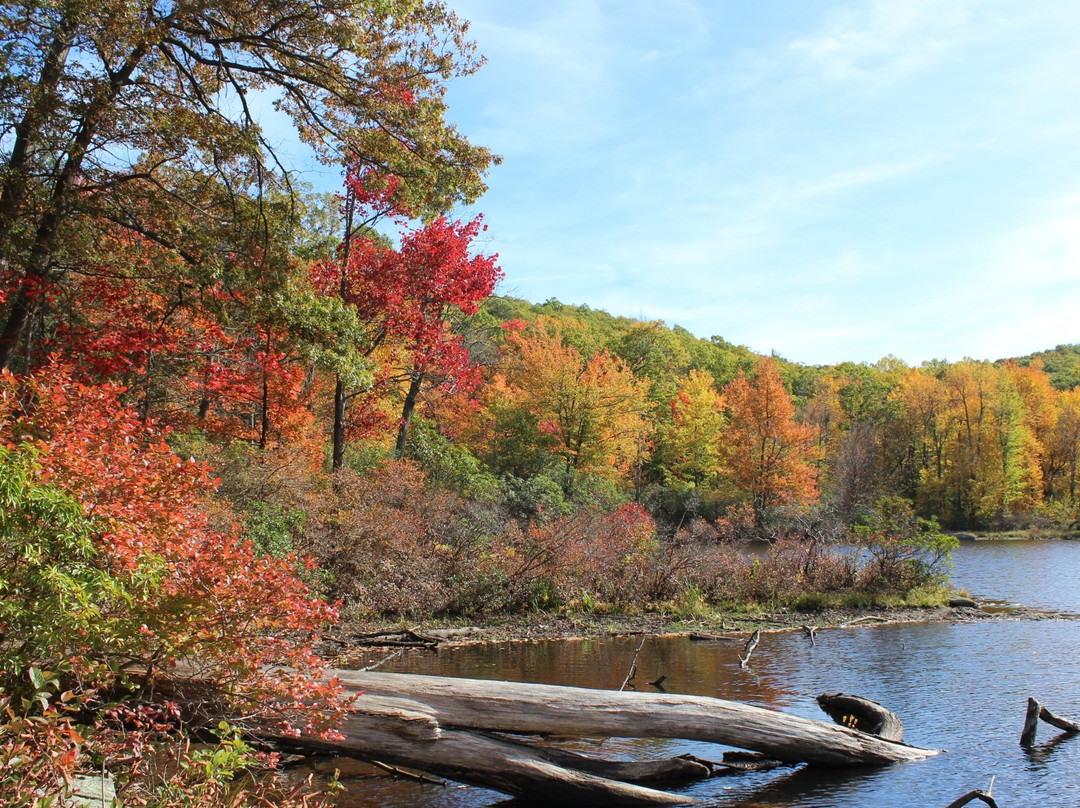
pixel 1035 711
pixel 863 715
pixel 487 762
pixel 40 248
pixel 444 726
pixel 416 379
pixel 339 425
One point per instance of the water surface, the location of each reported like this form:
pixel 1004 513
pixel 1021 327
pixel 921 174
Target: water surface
pixel 960 687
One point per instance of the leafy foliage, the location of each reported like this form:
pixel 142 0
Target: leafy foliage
pixel 906 551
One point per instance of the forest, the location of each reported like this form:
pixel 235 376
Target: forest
pixel 234 411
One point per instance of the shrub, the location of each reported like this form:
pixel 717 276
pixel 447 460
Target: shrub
pixel 905 551
pixel 117 590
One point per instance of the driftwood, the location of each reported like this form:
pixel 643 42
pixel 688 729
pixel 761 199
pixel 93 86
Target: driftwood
pixel 456 728
pixel 971 796
pixel 863 715
pixel 748 650
pixel 485 761
pixel 1035 711
pixel 551 709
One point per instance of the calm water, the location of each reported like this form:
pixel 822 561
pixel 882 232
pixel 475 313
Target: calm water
pixel 958 687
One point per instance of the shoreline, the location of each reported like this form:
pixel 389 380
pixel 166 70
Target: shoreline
pixel 354 644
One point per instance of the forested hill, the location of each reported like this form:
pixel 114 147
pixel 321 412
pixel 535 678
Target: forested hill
pixel 1062 364
pixel 652 345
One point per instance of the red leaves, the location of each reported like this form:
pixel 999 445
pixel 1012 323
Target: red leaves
pixel 197 593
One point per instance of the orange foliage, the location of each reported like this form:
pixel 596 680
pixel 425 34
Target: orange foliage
pixel 591 409
pixel 768 454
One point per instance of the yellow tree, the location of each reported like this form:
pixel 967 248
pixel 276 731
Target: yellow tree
pixel 1009 480
pixel 1039 399
pixel 767 453
pixel 923 425
pixel 591 409
pixel 1064 447
pixel 690 440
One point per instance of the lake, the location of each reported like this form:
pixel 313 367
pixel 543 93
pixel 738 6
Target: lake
pixel 961 687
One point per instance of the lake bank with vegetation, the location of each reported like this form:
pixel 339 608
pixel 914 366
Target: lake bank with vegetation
pixel 236 414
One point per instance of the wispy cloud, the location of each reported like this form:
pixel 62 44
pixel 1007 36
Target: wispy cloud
pixel 886 40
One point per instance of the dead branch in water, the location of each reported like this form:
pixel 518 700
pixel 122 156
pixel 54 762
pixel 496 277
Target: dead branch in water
pixel 985 796
pixel 1036 711
pixel 630 674
pixel 748 651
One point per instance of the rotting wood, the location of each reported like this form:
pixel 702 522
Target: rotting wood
pixel 401 638
pixel 681 769
pixel 1036 711
pixel 397 771
pixel 557 710
pixel 699 637
pixel 736 760
pixel 862 714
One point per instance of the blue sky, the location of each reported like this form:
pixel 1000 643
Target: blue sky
pixel 829 181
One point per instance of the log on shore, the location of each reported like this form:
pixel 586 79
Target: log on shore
pixel 494 706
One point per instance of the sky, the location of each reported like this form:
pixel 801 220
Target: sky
pixel 829 181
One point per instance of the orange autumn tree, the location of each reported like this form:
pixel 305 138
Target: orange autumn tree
pixel 768 455
pixel 589 411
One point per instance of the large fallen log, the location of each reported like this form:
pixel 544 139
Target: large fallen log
pixel 489 762
pixel 550 709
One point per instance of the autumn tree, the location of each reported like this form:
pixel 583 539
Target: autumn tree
pixel 441 278
pixel 403 298
pixel 1064 448
pixel 690 441
pixel 767 453
pixel 146 118
pixel 590 410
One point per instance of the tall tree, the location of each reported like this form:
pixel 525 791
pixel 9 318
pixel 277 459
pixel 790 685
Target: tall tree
pixel 145 117
pixel 403 297
pixel 590 408
pixel 769 455
pixel 690 442
pixel 440 277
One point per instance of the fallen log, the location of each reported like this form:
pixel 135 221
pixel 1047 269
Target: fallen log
pixel 550 709
pixel 862 714
pixel 485 761
pixel 1036 711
